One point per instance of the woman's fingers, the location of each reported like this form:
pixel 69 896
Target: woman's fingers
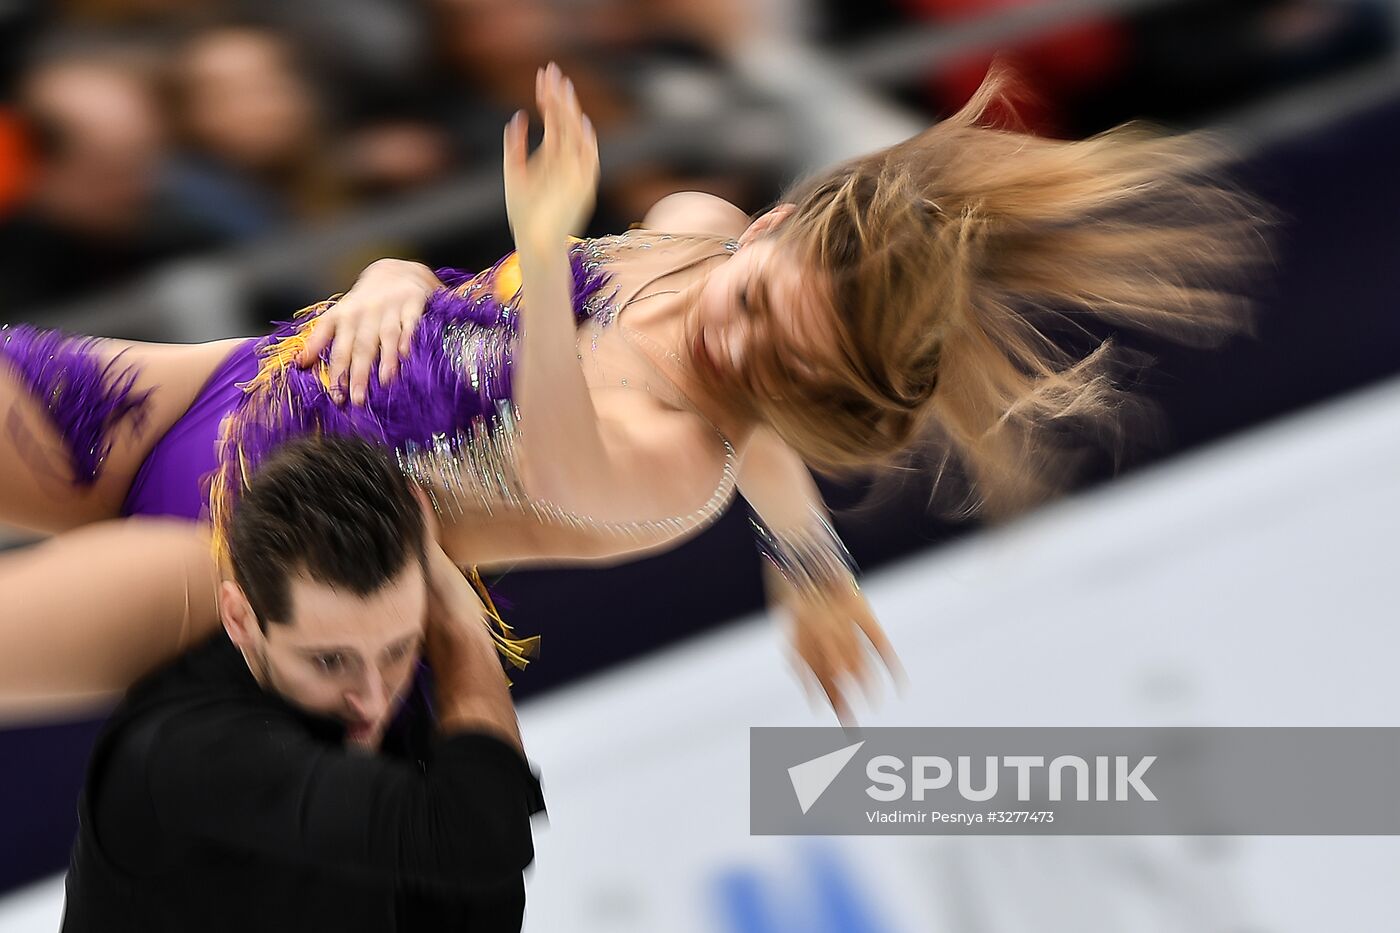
pixel 514 168
pixel 555 185
pixel 820 663
pixel 564 102
pixel 573 116
pixel 831 662
pixel 514 144
pixel 835 635
pixel 851 608
pixel 567 131
pixel 832 685
pixel 874 633
pixel 854 663
pixel 545 100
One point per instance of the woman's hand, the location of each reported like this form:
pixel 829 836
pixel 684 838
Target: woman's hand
pixel 828 632
pixel 376 318
pixel 550 194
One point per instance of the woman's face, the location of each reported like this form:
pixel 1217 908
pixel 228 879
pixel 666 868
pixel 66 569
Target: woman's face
pixel 762 295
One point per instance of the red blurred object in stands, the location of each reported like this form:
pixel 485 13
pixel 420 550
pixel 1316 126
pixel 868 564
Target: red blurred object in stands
pixel 1054 66
pixel 16 162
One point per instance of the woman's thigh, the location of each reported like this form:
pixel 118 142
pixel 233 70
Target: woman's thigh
pixel 40 487
pixel 89 612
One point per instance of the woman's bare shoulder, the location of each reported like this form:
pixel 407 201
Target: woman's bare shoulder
pixel 696 212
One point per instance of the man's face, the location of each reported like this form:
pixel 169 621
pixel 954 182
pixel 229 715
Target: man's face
pixel 341 655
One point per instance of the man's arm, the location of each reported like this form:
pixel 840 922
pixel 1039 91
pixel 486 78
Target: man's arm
pixel 472 692
pixel 239 778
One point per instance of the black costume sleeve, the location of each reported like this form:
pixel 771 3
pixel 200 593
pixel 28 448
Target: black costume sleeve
pixel 246 779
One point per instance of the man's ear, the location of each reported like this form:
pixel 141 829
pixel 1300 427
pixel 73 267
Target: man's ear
pixel 237 615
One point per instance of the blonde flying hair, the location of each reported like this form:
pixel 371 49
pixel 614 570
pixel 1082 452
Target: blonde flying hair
pixel 942 255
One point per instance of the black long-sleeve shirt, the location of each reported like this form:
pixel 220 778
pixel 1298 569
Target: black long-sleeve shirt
pixel 212 804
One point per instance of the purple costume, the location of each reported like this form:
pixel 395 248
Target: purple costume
pixel 455 379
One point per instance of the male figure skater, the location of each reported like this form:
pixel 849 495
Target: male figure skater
pixel 286 774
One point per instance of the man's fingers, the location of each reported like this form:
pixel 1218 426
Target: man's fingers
pixel 409 317
pixel 389 334
pixel 340 360
pixel 361 362
pixel 321 334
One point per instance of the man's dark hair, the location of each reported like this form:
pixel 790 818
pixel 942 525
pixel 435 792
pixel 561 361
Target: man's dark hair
pixel 336 509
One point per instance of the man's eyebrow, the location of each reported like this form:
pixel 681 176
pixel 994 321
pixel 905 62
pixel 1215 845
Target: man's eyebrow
pixel 406 640
pixel 327 649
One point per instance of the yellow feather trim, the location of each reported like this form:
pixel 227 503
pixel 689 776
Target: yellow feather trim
pixel 515 650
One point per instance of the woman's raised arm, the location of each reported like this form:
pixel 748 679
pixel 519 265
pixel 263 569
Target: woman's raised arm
pixel 549 196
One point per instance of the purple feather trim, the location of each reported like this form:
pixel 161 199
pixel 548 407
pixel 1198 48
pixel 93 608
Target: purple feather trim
pixel 433 392
pixel 85 397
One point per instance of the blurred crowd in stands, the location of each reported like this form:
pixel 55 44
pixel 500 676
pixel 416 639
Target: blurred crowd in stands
pixel 133 132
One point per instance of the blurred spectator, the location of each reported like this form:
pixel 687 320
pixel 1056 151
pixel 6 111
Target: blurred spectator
pixel 372 53
pixel 91 214
pixel 255 156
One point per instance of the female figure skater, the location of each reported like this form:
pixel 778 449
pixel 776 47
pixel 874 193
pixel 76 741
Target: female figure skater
pixel 590 400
